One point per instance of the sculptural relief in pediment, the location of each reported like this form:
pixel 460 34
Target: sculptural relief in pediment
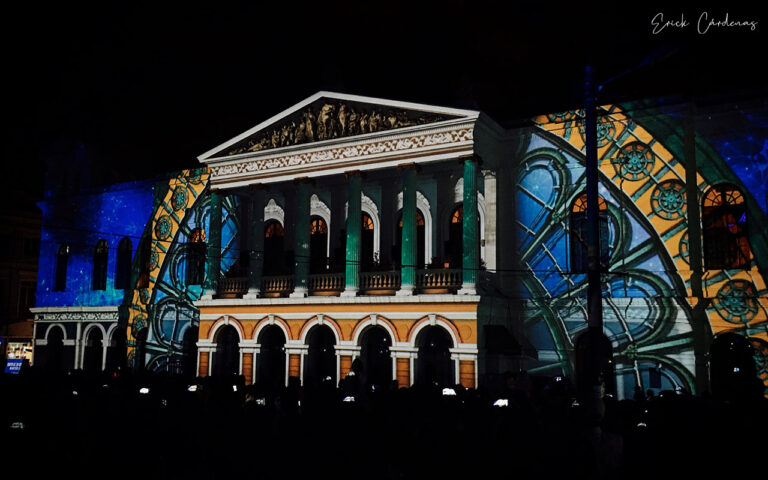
pixel 328 119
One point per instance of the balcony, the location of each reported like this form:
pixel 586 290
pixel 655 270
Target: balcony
pixel 438 280
pixel 428 281
pixel 379 283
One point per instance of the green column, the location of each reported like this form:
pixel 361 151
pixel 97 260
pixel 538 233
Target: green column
pixel 408 242
pixel 471 253
pixel 352 270
pixel 256 246
pixel 213 260
pixel 301 255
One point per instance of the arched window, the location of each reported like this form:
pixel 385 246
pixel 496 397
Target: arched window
pixel 100 257
pixel 318 242
pixel 578 234
pixel 123 269
pixel 62 258
pixel 196 257
pixel 724 218
pixel 366 240
pixel 420 239
pixel 145 258
pixel 274 259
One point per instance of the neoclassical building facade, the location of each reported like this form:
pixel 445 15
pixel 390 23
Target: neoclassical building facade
pixel 435 246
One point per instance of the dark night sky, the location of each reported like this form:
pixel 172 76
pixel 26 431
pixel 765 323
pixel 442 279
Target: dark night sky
pixel 147 88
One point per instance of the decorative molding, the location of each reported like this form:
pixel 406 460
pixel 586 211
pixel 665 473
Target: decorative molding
pixel 356 151
pixel 319 208
pixel 78 316
pixel 273 211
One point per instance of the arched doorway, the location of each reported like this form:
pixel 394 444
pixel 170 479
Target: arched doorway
pixel 270 362
pixel 366 241
pixel 54 357
pixel 732 368
pixel 116 350
pixel 420 239
pixel 454 249
pixel 189 352
pixel 318 244
pixel 320 363
pixel 374 353
pixel 196 252
pixel 93 351
pixel 434 364
pixel 226 359
pixel 274 253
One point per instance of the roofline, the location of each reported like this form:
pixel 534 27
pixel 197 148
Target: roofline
pixel 337 96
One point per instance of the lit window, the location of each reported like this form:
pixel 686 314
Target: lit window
pixel 274 229
pixel 458 215
pixel 578 234
pixel 724 218
pixel 318 226
pixel 367 222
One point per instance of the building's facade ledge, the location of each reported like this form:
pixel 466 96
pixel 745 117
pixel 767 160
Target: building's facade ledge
pixel 362 300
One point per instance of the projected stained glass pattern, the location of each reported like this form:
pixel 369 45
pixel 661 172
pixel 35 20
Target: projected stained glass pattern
pixel 646 290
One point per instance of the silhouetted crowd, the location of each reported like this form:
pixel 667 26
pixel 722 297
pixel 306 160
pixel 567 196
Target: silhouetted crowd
pixel 155 426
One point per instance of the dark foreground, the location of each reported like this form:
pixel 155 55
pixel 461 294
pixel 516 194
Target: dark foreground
pixel 74 426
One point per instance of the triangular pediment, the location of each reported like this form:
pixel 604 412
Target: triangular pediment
pixel 327 116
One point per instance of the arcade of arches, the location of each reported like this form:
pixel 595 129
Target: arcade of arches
pixel 403 345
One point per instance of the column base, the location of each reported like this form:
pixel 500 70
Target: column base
pixel 467 289
pixel 298 293
pixel 406 291
pixel 252 294
pixel 349 292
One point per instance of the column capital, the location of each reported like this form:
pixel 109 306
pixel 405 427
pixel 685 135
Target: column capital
pixel 306 180
pixel 353 173
pixel 409 166
pixel 473 157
